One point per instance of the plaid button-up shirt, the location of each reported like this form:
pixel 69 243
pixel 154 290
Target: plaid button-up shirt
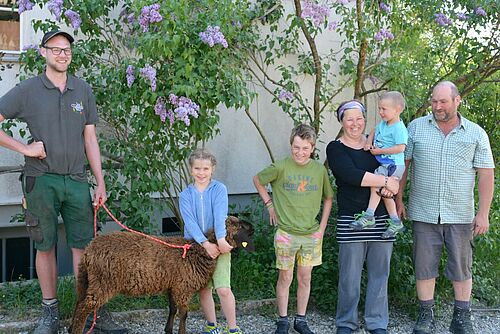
pixel 443 170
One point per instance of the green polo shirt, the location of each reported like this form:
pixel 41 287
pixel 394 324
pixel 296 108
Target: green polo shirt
pixel 297 193
pixel 57 119
pixel 443 170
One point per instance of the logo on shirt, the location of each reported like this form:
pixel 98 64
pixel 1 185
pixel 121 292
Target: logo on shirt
pixel 77 107
pixel 300 184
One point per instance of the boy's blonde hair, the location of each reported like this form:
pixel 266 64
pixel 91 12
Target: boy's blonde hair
pixel 202 154
pixel 304 131
pixel 395 97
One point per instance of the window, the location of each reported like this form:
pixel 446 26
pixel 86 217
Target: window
pixel 10 28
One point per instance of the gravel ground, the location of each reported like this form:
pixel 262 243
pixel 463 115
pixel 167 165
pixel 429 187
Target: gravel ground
pixel 251 322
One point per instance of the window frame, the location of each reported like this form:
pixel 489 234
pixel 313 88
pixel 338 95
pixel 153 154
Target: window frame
pixel 13 55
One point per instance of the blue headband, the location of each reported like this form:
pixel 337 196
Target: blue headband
pixel 349 105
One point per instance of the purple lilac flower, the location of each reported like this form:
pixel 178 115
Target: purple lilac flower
pixel 24 5
pixel 317 13
pixel 480 11
pixel 149 14
pixel 285 96
pixel 130 75
pixel 442 19
pixel 212 36
pixel 462 16
pixel 31 47
pixel 333 25
pixel 236 23
pixel 383 34
pixel 385 7
pixel 130 18
pixel 182 109
pixel 55 7
pixel 149 72
pixel 74 18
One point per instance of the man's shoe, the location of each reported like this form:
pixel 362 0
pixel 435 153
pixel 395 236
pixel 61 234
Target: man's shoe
pixel 282 327
pixel 425 321
pixel 362 221
pixel 301 327
pixel 344 330
pixel 378 331
pixel 461 322
pixel 49 322
pixel 104 323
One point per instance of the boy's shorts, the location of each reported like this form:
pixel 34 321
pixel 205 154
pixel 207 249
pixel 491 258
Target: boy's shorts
pixel 222 274
pixel 307 248
pixel 49 195
pixel 390 170
pixel 428 242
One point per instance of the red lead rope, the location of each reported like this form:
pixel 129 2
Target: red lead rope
pixel 185 247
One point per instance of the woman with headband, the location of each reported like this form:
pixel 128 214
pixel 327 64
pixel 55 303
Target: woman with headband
pixel 353 169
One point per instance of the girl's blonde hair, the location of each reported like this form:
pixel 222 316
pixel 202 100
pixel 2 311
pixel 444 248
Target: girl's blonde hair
pixel 202 154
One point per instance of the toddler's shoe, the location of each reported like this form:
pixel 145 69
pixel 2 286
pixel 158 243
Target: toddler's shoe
pixel 362 221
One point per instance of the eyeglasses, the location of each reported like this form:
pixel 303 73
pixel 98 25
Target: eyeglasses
pixel 57 51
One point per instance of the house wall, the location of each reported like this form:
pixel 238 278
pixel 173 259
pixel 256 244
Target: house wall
pixel 239 149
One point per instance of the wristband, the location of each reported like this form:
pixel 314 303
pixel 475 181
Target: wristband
pixel 270 200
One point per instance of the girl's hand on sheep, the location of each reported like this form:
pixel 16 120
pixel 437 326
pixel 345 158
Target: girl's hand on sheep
pixel 224 246
pixel 273 217
pixel 212 249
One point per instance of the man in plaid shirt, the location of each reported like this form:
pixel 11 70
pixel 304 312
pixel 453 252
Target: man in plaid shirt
pixel 445 151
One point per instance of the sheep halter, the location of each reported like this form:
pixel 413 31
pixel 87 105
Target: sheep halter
pixel 185 247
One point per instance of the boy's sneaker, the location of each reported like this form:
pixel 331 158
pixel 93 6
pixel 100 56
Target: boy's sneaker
pixel 236 330
pixel 461 322
pixel 49 322
pixel 362 221
pixel 393 229
pixel 301 327
pixel 104 323
pixel 211 329
pixel 282 327
pixel 425 321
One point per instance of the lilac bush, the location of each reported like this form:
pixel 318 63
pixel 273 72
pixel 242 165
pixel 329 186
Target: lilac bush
pixel 383 34
pixel 213 36
pixel 56 8
pixel 384 7
pixel 24 5
pixel 317 13
pixel 74 18
pixel 149 14
pixel 182 109
pixel 148 72
pixel 285 96
pixel 480 11
pixel 442 19
pixel 130 75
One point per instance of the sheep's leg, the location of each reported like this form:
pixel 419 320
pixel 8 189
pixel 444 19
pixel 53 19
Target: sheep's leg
pixel 172 310
pixel 82 309
pixel 182 299
pixel 182 319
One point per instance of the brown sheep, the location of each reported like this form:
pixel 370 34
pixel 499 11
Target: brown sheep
pixel 130 264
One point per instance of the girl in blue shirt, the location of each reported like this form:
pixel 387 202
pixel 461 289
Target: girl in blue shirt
pixel 204 206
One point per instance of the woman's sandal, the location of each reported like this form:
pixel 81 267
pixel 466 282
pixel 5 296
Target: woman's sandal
pixel 379 192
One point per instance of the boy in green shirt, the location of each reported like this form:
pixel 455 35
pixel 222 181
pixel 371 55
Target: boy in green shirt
pixel 299 185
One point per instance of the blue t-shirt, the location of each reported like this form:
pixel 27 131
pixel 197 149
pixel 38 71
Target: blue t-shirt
pixel 388 136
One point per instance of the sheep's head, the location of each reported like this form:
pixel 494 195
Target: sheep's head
pixel 239 234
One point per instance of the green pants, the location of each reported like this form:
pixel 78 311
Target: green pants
pixel 51 195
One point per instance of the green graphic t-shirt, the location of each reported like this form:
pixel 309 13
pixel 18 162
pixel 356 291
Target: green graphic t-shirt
pixel 297 193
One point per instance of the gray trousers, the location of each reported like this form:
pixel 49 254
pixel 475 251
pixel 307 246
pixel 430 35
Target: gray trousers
pixel 351 258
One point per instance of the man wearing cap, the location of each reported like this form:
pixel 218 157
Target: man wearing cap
pixel 446 152
pixel 60 112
